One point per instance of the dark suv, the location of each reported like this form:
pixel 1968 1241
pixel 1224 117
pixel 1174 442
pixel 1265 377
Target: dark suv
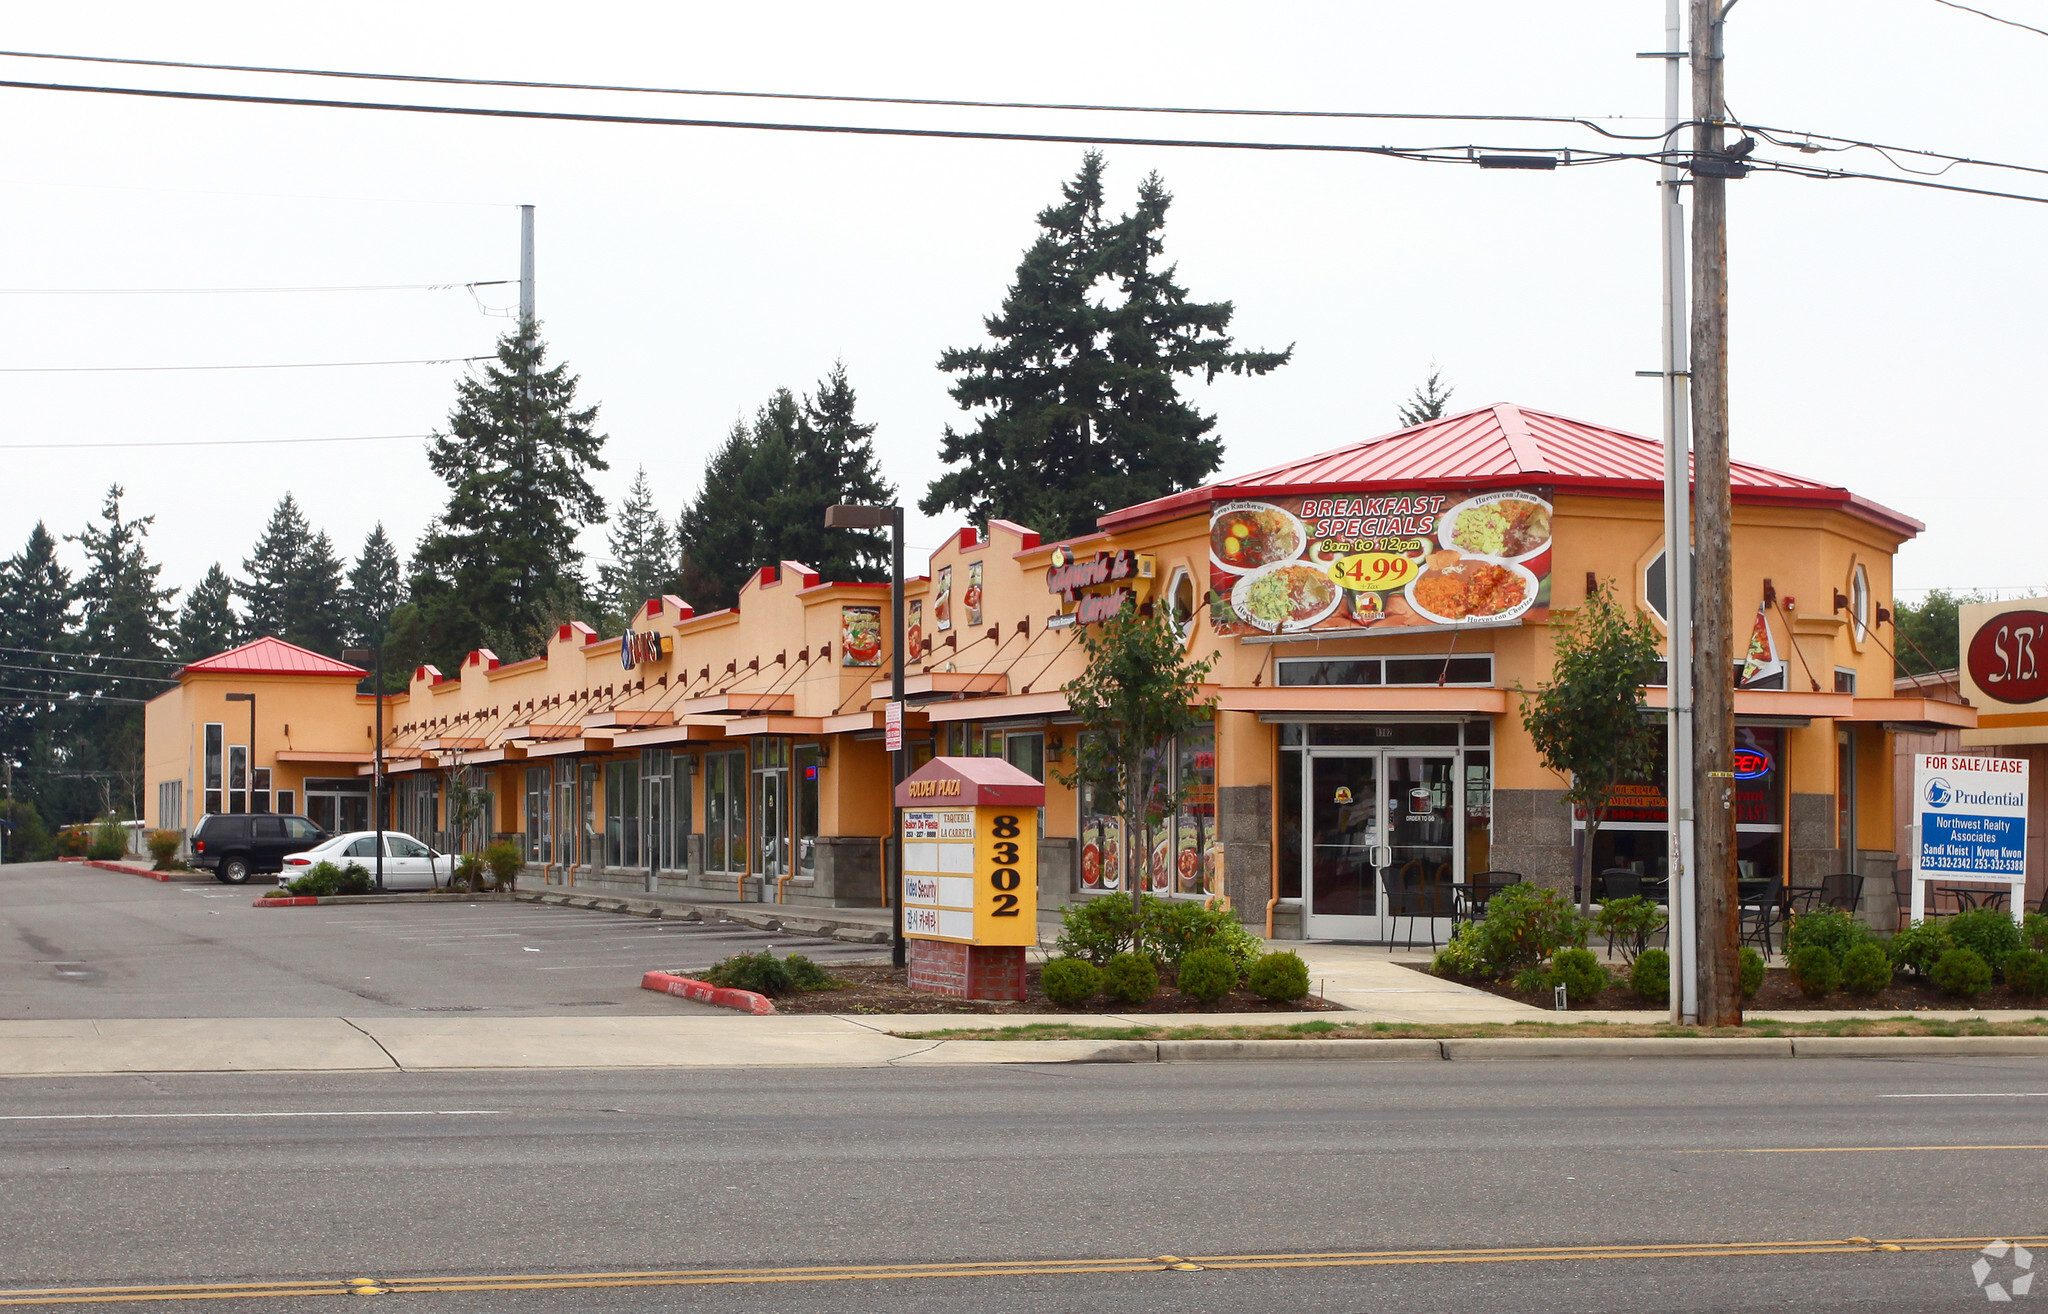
pixel 234 846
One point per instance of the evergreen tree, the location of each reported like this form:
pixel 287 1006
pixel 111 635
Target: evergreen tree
pixel 502 559
pixel 374 589
pixel 35 625
pixel 643 556
pixel 207 624
pixel 1430 401
pixel 834 457
pixel 125 616
pixel 294 586
pixel 729 529
pixel 1080 410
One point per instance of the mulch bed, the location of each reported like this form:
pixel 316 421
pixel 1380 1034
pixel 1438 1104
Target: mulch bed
pixel 1779 995
pixel 884 990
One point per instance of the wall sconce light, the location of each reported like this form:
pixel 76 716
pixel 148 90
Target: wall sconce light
pixel 1053 748
pixel 824 754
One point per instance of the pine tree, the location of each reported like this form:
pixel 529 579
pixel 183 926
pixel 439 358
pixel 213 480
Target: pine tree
pixel 374 589
pixel 643 555
pixel 729 529
pixel 1080 410
pixel 207 623
pixel 834 457
pixel 125 615
pixel 1430 401
pixel 293 589
pixel 502 559
pixel 35 625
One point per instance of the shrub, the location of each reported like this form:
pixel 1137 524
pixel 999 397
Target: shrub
pixel 1174 928
pixel 1628 924
pixel 1524 925
pixel 763 973
pixel 1750 971
pixel 1651 976
pixel 1071 982
pixel 1098 929
pixel 73 841
pixel 2026 971
pixel 1815 970
pixel 1990 932
pixel 505 861
pixel 2034 930
pixel 1866 969
pixel 1962 972
pixel 1917 948
pixel 1461 957
pixel 163 847
pixel 1532 981
pixel 109 841
pixel 1279 977
pixel 1581 974
pixel 1830 928
pixel 1206 975
pixel 807 975
pixel 1130 978
pixel 324 879
pixel 468 873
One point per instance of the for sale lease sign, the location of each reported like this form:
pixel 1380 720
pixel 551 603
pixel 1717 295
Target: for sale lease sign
pixel 1969 824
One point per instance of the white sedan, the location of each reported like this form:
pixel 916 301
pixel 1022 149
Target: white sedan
pixel 408 864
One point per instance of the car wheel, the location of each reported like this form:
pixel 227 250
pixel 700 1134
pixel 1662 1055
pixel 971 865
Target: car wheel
pixel 235 871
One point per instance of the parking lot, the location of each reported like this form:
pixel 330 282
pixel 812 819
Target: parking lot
pixel 78 942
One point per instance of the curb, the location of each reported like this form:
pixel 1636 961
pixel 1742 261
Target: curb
pixel 688 987
pixel 1477 1048
pixel 1892 1046
pixel 822 928
pixel 121 867
pixel 308 900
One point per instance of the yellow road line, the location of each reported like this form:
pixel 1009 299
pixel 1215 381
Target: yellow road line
pixel 989 1268
pixel 1858 1149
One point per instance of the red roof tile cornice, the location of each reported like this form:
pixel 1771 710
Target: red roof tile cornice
pixel 1504 446
pixel 271 656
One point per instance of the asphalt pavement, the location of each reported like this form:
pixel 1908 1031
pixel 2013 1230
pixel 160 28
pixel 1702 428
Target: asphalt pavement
pixel 1291 1186
pixel 81 942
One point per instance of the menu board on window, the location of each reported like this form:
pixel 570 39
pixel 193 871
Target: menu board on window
pixel 1400 560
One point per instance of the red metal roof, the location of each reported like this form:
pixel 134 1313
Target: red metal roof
pixel 268 656
pixel 1499 446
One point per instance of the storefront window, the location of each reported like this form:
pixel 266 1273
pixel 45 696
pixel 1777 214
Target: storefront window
pixel 259 796
pixel 808 772
pixel 539 834
pixel 1185 857
pixel 771 806
pixel 564 824
pixel 1478 810
pixel 725 812
pixel 1102 850
pixel 213 766
pixel 657 786
pixel 586 795
pixel 622 815
pixel 1635 836
pixel 1470 669
pixel 238 778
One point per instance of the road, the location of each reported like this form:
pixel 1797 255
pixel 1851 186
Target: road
pixel 81 942
pixel 407 1179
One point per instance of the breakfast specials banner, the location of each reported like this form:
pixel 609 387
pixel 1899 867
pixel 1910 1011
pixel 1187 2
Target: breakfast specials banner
pixel 1402 560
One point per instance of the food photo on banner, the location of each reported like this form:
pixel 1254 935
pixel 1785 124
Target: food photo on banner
pixel 860 636
pixel 971 599
pixel 913 629
pixel 1387 561
pixel 942 600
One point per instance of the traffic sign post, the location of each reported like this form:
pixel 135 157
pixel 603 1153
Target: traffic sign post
pixel 970 875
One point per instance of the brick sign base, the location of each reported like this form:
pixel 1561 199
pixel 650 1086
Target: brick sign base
pixel 967 971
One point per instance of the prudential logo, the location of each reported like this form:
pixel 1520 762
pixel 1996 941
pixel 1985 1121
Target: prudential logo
pixel 2003 1270
pixel 1938 793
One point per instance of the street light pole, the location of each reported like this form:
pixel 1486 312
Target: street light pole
pixel 851 516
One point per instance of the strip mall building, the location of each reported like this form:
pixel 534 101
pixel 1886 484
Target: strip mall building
pixel 1374 612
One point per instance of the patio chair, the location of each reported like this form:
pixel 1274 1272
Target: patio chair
pixel 1618 883
pixel 1842 890
pixel 1468 897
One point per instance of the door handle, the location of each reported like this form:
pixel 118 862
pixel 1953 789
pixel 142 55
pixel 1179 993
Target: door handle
pixel 1382 855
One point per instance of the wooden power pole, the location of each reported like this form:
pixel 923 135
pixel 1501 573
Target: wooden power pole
pixel 1713 515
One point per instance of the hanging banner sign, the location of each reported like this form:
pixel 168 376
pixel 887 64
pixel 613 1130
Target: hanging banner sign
pixel 639 647
pixel 1402 560
pixel 1969 824
pixel 892 727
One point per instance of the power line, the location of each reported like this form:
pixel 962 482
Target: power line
pixel 90 675
pixel 93 657
pixel 1993 17
pixel 927 101
pixel 151 369
pixel 214 442
pixel 89 696
pixel 193 291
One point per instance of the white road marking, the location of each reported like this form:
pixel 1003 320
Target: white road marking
pixel 1973 1095
pixel 316 1113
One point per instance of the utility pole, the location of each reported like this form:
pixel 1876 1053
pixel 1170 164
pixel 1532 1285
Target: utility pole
pixel 1683 940
pixel 525 265
pixel 1718 923
pixel 525 337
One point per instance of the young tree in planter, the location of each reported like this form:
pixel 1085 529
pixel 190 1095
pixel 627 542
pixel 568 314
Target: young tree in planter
pixel 1587 723
pixel 1140 689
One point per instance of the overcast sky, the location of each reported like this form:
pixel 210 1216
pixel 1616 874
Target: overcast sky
pixel 1883 337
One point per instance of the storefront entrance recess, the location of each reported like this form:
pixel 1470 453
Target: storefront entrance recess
pixel 1384 843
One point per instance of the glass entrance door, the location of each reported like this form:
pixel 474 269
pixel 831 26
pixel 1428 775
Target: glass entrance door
pixel 1383 843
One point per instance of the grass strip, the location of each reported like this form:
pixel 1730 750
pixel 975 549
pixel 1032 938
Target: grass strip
pixel 1320 1030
